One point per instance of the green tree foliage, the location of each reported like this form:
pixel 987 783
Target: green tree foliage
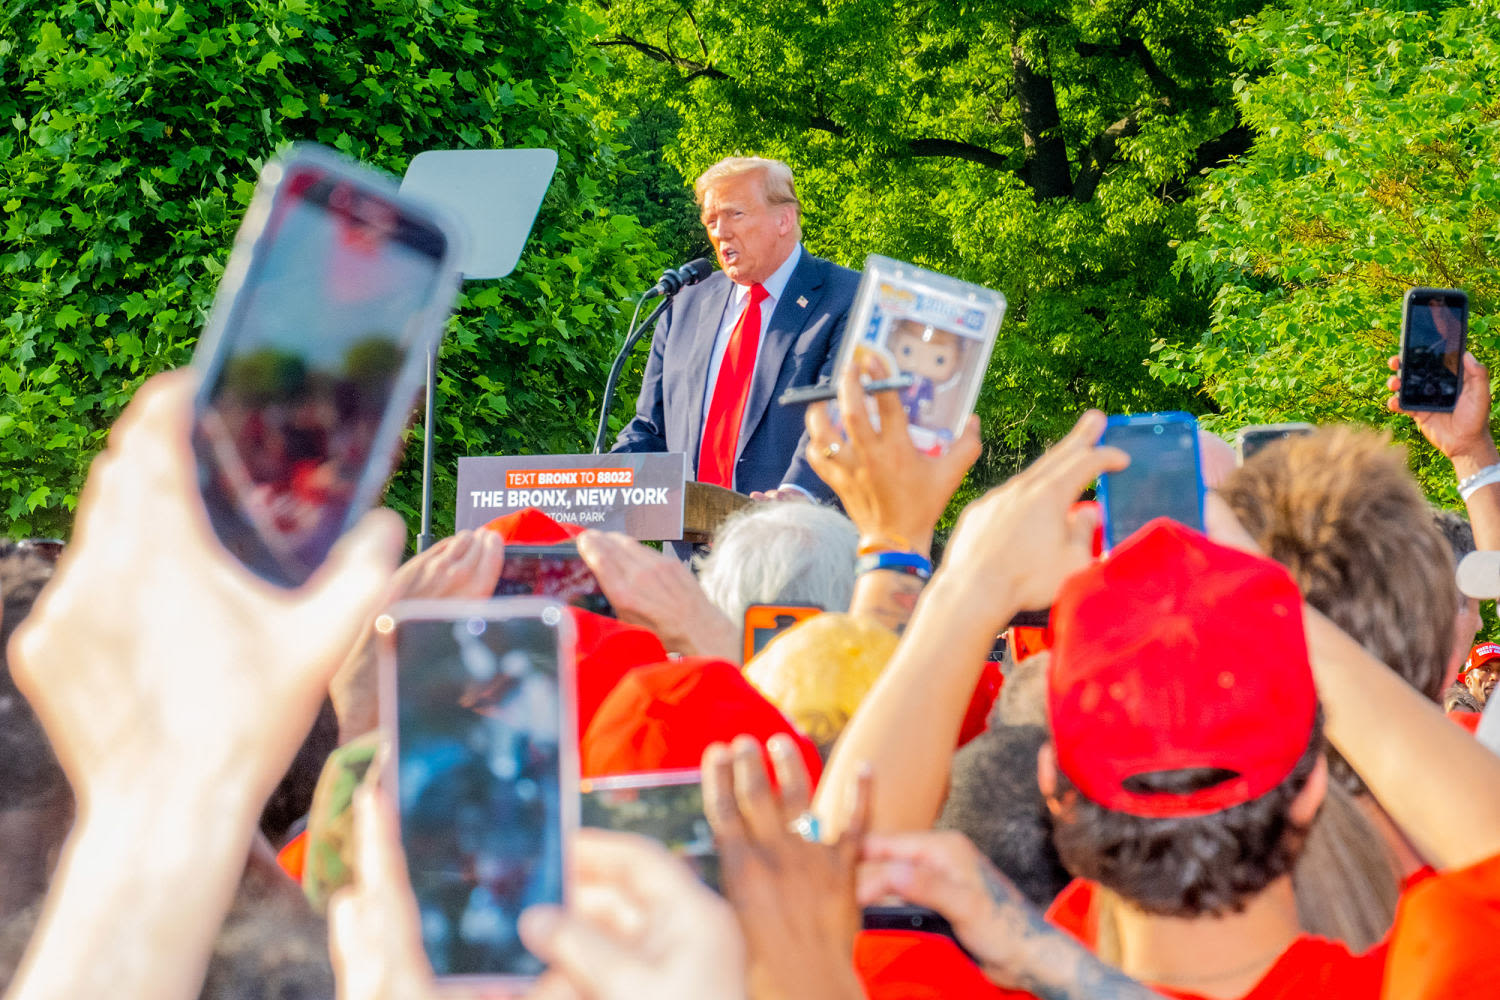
pixel 1043 149
pixel 1376 167
pixel 130 134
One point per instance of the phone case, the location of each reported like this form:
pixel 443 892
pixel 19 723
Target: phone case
pixel 1138 419
pixel 937 329
pixel 552 616
pixel 763 616
pixel 1272 431
pixel 249 247
pixel 1407 302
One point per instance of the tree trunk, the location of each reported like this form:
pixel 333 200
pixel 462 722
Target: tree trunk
pixel 1047 170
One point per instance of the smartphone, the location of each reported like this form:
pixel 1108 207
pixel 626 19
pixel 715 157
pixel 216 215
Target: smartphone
pixel 556 571
pixel 909 918
pixel 479 697
pixel 1434 336
pixel 666 806
pixel 764 622
pixel 1249 440
pixel 312 359
pixel 1165 477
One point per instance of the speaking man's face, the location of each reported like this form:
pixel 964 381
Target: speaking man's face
pixel 751 237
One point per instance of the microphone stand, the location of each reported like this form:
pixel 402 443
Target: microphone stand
pixel 631 339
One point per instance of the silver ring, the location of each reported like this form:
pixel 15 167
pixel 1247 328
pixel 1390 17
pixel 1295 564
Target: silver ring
pixel 832 450
pixel 807 827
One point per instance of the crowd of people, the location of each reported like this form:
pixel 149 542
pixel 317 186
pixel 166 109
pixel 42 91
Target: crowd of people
pixel 1234 764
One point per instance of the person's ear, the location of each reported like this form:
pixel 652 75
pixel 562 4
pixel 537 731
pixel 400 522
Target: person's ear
pixel 1304 808
pixel 786 221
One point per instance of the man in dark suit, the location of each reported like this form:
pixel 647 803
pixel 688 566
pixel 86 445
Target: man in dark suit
pixel 727 348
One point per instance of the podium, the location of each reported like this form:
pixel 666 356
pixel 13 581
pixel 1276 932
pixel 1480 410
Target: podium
pixel 646 495
pixel 704 508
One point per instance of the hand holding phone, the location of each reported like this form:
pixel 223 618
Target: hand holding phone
pixel 1164 478
pixel 1434 337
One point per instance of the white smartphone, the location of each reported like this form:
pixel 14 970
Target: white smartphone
pixel 479 698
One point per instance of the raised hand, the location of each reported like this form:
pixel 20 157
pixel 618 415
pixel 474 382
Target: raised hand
pixel 794 895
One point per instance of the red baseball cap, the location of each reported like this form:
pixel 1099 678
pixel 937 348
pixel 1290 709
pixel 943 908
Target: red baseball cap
pixel 530 526
pixel 663 716
pixel 1177 652
pixel 1480 655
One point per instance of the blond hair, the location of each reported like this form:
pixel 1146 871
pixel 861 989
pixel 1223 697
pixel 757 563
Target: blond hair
pixel 776 179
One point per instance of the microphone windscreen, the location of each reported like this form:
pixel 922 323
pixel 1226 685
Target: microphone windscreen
pixel 695 271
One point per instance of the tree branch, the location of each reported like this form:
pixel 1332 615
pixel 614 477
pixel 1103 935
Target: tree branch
pixel 695 69
pixel 958 150
pixel 1135 48
pixel 1101 152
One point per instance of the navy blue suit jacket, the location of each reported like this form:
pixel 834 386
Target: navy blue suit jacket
pixel 800 347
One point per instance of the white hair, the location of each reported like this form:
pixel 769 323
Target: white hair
pixel 781 553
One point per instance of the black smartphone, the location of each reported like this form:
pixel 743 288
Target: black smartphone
pixel 1434 336
pixel 556 571
pixel 666 806
pixel 313 357
pixel 479 697
pixel 1249 440
pixel 909 918
pixel 1165 477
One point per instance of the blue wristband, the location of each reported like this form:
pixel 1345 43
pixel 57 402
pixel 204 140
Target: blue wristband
pixel 902 562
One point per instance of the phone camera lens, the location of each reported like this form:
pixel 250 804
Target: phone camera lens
pixel 475 626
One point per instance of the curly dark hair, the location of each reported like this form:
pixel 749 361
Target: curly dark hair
pixel 1188 866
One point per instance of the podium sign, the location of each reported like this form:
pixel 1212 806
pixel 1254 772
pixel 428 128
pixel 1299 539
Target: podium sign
pixel 640 494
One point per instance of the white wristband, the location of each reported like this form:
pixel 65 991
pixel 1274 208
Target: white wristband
pixel 1488 476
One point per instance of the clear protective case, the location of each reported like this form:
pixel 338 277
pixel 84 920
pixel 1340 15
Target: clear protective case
pixel 935 332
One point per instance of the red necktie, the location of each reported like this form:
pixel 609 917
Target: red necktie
pixel 726 408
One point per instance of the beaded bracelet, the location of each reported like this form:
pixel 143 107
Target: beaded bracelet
pixel 910 563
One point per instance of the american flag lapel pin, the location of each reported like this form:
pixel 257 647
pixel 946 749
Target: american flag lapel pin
pixel 802 301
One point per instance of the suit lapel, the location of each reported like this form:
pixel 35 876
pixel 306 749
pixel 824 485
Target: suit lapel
pixel 705 327
pixel 787 322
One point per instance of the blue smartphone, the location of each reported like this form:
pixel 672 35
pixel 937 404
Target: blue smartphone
pixel 1165 477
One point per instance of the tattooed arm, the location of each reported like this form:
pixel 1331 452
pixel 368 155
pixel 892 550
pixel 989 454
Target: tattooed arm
pixel 886 596
pixel 1015 947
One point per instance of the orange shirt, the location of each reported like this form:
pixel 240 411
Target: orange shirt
pixel 1438 949
pixel 1442 943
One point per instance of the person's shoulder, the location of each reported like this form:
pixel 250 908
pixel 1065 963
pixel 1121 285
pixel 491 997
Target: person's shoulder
pixel 831 270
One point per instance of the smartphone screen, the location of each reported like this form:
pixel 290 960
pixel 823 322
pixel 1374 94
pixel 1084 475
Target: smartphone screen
pixel 1434 331
pixel 298 395
pixel 666 806
pixel 764 622
pixel 556 571
pixel 481 750
pixel 1163 480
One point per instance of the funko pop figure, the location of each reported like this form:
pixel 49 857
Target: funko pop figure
pixel 933 356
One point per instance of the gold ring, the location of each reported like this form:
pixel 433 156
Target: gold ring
pixel 832 450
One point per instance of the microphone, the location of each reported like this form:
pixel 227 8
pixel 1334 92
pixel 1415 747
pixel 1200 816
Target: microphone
pixel 673 282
